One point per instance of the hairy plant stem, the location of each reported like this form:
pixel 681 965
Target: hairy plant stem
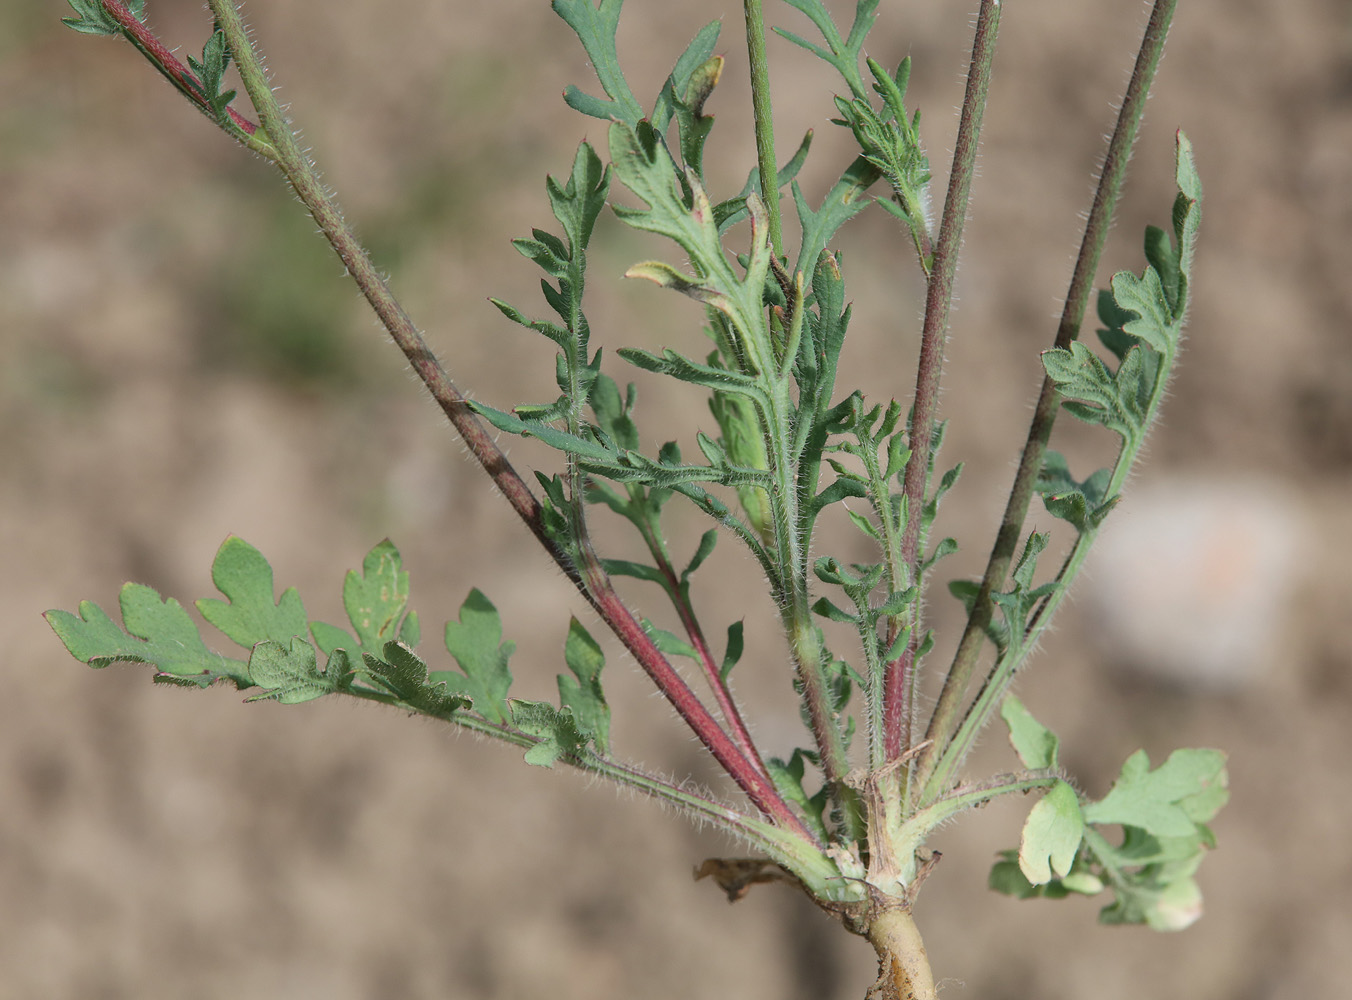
pixel 679 593
pixel 791 553
pixel 898 684
pixel 764 836
pixel 181 77
pixel 796 610
pixel 945 718
pixel 594 585
pixel 1002 674
pixel 765 129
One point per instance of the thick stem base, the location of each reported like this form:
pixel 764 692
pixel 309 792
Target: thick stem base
pixel 903 967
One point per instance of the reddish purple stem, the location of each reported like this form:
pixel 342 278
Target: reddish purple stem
pixel 596 586
pixel 898 676
pixel 167 63
pixel 731 714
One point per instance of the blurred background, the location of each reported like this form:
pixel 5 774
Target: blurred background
pixel 183 360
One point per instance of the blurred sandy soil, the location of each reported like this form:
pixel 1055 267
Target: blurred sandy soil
pixel 181 361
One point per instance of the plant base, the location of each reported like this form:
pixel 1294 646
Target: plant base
pixel 903 967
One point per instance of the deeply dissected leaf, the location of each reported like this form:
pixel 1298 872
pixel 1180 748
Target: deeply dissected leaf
pixel 1016 604
pixel 626 467
pixel 1163 815
pixel 282 663
pixel 1145 324
pixel 1155 324
pixel 644 166
pixel 679 367
pixel 211 73
pixel 595 454
pixel 843 202
pixel 595 28
pixel 578 203
pixel 1095 394
pixel 842 53
pixel 890 142
pixel 476 643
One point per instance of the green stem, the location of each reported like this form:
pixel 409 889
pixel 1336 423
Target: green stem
pixel 947 709
pixel 934 335
pixel 806 862
pixel 792 537
pixel 765 129
pixel 1002 674
pixel 934 814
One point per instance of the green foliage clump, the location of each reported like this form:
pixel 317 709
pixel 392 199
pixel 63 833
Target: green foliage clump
pixel 847 819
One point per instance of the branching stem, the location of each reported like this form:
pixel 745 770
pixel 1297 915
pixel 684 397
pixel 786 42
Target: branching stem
pixel 945 719
pixel 593 583
pixel 679 594
pixel 178 74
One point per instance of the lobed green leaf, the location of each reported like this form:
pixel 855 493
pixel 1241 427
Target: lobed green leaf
pixel 476 643
pixel 155 631
pixel 1036 745
pixel 289 672
pixel 211 73
pixel 788 781
pixel 1187 789
pixel 556 730
pixel 403 674
pixel 240 572
pixel 581 694
pixel 1051 835
pixel 376 599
